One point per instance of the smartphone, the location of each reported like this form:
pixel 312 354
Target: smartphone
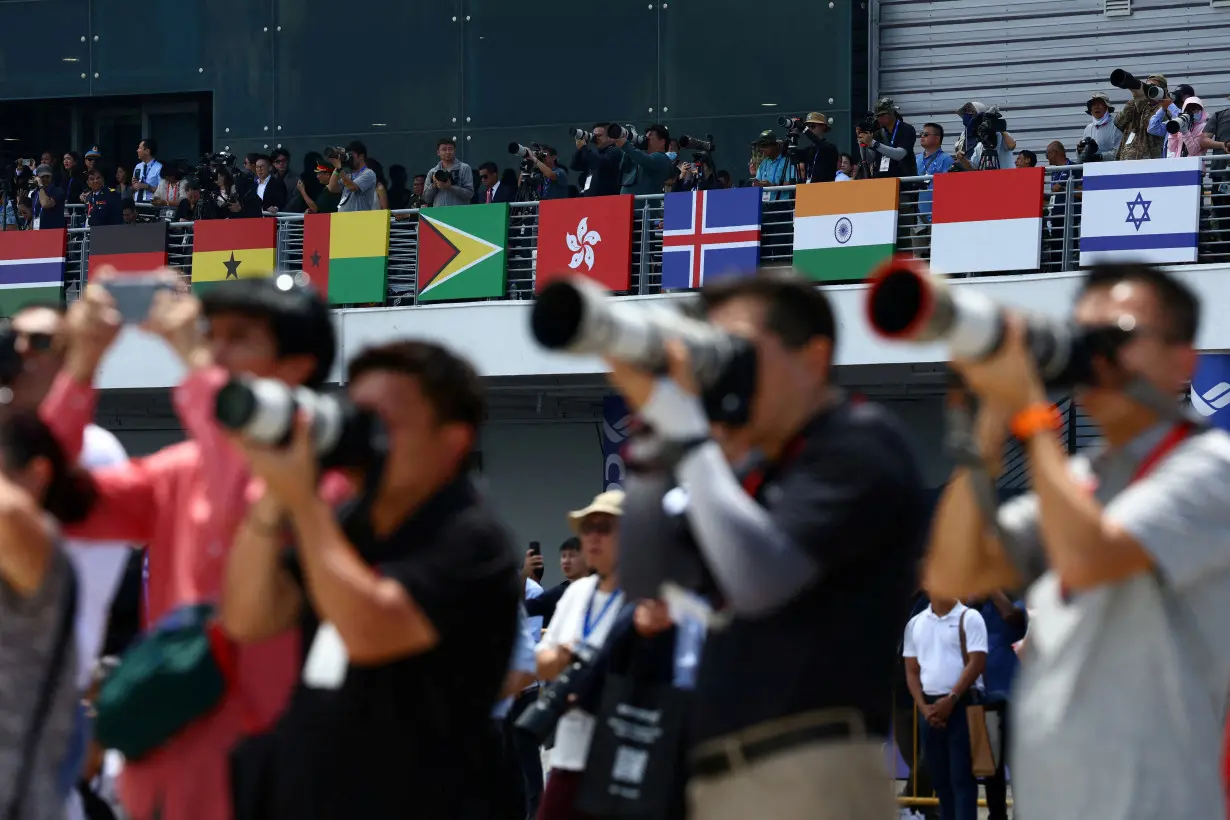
pixel 536 547
pixel 134 293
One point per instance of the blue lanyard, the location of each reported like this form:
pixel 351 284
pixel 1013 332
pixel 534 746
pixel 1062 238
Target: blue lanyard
pixel 588 626
pixel 893 138
pixel 930 163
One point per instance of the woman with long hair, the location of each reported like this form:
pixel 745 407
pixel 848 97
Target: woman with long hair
pixel 38 589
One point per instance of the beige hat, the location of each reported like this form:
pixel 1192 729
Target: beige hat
pixel 816 118
pixel 609 503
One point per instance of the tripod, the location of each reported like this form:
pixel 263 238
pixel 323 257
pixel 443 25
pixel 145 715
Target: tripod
pixel 989 161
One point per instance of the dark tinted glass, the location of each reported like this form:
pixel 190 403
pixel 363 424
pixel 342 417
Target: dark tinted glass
pixel 238 57
pixel 157 48
pixel 730 56
pixel 396 69
pixel 559 61
pixel 46 52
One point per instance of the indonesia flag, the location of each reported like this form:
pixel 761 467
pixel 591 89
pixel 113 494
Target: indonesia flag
pixel 987 221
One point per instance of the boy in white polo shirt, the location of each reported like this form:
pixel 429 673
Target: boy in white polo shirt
pixel 940 676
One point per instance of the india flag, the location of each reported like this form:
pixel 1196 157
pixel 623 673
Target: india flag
pixel 842 230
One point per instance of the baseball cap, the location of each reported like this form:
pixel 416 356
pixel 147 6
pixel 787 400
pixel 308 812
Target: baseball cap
pixel 42 170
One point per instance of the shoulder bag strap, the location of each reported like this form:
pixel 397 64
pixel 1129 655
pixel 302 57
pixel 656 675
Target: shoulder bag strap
pixel 961 632
pixel 47 692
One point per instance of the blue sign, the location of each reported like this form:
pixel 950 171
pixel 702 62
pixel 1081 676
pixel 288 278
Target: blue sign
pixel 1211 389
pixel 615 423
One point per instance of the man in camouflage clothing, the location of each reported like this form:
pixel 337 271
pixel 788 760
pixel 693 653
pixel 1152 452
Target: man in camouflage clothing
pixel 1133 121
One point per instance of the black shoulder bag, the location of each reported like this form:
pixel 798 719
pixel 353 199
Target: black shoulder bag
pixel 46 697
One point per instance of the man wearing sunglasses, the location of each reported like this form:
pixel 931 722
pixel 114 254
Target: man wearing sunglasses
pixel 584 615
pixel 37 337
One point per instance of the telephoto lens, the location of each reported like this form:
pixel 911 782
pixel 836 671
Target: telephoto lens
pixel 580 134
pixel 263 411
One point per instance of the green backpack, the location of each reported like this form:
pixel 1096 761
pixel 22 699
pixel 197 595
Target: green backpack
pixel 177 673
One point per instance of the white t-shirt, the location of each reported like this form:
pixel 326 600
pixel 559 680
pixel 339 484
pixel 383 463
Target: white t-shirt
pixel 576 727
pixel 99 564
pixel 936 642
pixel 532 590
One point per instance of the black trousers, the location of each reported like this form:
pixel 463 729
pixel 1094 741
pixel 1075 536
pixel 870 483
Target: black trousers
pixel 523 752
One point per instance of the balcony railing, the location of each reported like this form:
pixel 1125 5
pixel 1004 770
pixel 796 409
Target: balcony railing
pixel 1060 236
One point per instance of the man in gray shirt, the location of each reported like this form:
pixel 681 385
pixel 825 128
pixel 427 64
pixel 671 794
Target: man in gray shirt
pixel 1126 664
pixel 450 182
pixel 357 186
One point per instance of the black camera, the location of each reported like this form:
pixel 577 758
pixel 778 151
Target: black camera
pixel 704 146
pixel 1087 150
pixel 987 127
pixel 580 134
pixel 1123 79
pixel 337 152
pixel 442 176
pixel 539 720
pixel 794 129
pixel 264 410
pixel 869 123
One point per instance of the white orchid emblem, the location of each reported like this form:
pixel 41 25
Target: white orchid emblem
pixel 582 245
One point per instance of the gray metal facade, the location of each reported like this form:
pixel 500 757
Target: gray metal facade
pixel 1039 60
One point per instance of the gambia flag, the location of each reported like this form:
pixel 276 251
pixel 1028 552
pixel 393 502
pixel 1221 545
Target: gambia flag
pixel 346 255
pixel 31 268
pixel 225 249
pixel 137 248
pixel 842 230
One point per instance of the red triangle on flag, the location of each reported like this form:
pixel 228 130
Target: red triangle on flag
pixel 435 252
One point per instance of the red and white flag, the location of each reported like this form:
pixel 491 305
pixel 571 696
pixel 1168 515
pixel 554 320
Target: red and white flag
pixel 590 236
pixel 987 221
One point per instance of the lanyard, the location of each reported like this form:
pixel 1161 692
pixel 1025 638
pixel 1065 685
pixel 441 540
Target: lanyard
pixel 588 626
pixel 928 164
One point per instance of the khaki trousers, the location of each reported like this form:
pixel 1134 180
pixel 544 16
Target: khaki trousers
pixel 839 779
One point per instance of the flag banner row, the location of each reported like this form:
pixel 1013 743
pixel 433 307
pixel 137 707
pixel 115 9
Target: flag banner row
pixel 984 221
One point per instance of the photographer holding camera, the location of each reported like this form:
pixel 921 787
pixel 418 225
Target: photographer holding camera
pixel 1124 551
pixel 598 158
pixel 645 166
pixel 986 129
pixel 819 160
pixel 802 518
pixel 450 181
pixel 406 599
pixel 893 143
pixel 186 503
pixel 1101 138
pixel 772 168
pixel 48 201
pixel 554 179
pixel 1133 120
pixel 351 178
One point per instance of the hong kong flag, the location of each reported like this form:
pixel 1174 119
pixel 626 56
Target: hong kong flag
pixel 591 236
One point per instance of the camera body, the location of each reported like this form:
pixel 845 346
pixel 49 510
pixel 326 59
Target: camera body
pixel 869 123
pixel 1087 150
pixel 702 150
pixel 337 152
pixel 795 126
pixel 986 128
pixel 540 719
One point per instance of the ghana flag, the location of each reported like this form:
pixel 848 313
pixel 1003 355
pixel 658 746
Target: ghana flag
pixel 135 248
pixel 346 255
pixel 461 252
pixel 225 249
pixel 31 268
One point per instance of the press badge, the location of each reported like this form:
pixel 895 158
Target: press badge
pixel 884 164
pixel 1131 138
pixel 327 660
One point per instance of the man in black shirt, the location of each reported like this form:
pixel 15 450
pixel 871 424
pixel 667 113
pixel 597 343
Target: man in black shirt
pixel 820 159
pixel 407 601
pixel 47 201
pixel 893 145
pixel 811 557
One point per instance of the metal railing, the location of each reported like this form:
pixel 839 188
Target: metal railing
pixel 1060 243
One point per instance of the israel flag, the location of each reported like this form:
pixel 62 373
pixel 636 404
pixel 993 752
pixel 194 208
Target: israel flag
pixel 1141 211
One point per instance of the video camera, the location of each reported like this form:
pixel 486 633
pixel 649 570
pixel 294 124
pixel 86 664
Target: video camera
pixel 263 411
pixel 581 134
pixel 986 128
pixel 206 171
pixel 635 139
pixel 337 152
pixel 1122 79
pixel 869 123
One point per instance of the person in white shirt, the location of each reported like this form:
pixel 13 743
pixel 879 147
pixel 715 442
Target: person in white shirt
pixel 585 615
pixel 147 176
pixel 945 651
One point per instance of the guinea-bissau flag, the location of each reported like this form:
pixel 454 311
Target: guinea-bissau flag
pixel 346 255
pixel 137 248
pixel 232 249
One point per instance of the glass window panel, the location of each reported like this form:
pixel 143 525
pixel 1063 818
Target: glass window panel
pixel 399 70
pixel 702 78
pixel 559 62
pixel 238 62
pixel 152 48
pixel 45 52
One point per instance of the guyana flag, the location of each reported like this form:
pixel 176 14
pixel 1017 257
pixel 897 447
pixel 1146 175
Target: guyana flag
pixel 346 255
pixel 462 252
pixel 225 249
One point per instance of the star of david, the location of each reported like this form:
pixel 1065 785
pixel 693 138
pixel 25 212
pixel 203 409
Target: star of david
pixel 1143 217
pixel 315 257
pixel 232 267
